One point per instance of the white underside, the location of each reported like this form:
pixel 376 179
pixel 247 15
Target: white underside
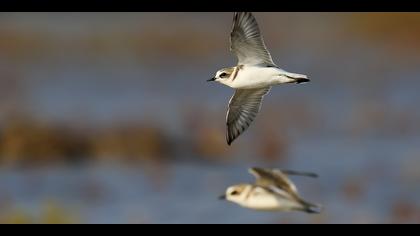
pixel 271 203
pixel 261 199
pixel 250 77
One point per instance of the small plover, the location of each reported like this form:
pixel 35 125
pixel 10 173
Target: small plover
pixel 272 191
pixel 253 75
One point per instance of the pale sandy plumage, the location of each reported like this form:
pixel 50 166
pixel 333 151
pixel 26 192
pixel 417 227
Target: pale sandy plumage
pixel 272 191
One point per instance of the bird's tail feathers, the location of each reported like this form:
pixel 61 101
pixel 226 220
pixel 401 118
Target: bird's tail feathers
pixel 297 78
pixel 313 208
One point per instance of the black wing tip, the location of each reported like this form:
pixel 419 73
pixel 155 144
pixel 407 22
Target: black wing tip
pixel 230 136
pixel 314 208
pixel 302 81
pixel 313 211
pixel 313 175
pixel 229 140
pixel 298 173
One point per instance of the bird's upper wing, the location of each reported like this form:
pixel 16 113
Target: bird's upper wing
pixel 299 173
pixel 246 41
pixel 273 178
pixel 243 108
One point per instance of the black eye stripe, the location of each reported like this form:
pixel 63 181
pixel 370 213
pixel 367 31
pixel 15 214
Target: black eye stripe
pixel 234 193
pixel 223 74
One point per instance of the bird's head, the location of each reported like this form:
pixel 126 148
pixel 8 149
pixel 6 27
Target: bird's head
pixel 235 193
pixel 223 75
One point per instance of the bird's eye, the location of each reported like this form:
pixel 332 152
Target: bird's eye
pixel 234 193
pixel 223 74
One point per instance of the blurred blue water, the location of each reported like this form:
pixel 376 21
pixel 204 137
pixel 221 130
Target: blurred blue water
pixel 115 193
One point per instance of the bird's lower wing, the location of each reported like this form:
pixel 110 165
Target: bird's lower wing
pixel 243 108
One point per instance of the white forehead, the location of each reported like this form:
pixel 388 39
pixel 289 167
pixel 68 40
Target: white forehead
pixel 231 189
pixel 238 188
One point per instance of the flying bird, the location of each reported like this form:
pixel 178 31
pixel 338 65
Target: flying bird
pixel 272 191
pixel 253 75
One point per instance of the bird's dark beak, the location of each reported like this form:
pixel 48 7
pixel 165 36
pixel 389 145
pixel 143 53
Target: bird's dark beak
pixel 212 79
pixel 222 197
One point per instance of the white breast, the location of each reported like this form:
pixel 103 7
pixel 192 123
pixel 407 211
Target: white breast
pixel 254 77
pixel 262 200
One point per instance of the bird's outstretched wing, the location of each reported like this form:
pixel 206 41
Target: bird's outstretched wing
pixel 273 178
pixel 243 108
pixel 247 42
pixel 276 181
